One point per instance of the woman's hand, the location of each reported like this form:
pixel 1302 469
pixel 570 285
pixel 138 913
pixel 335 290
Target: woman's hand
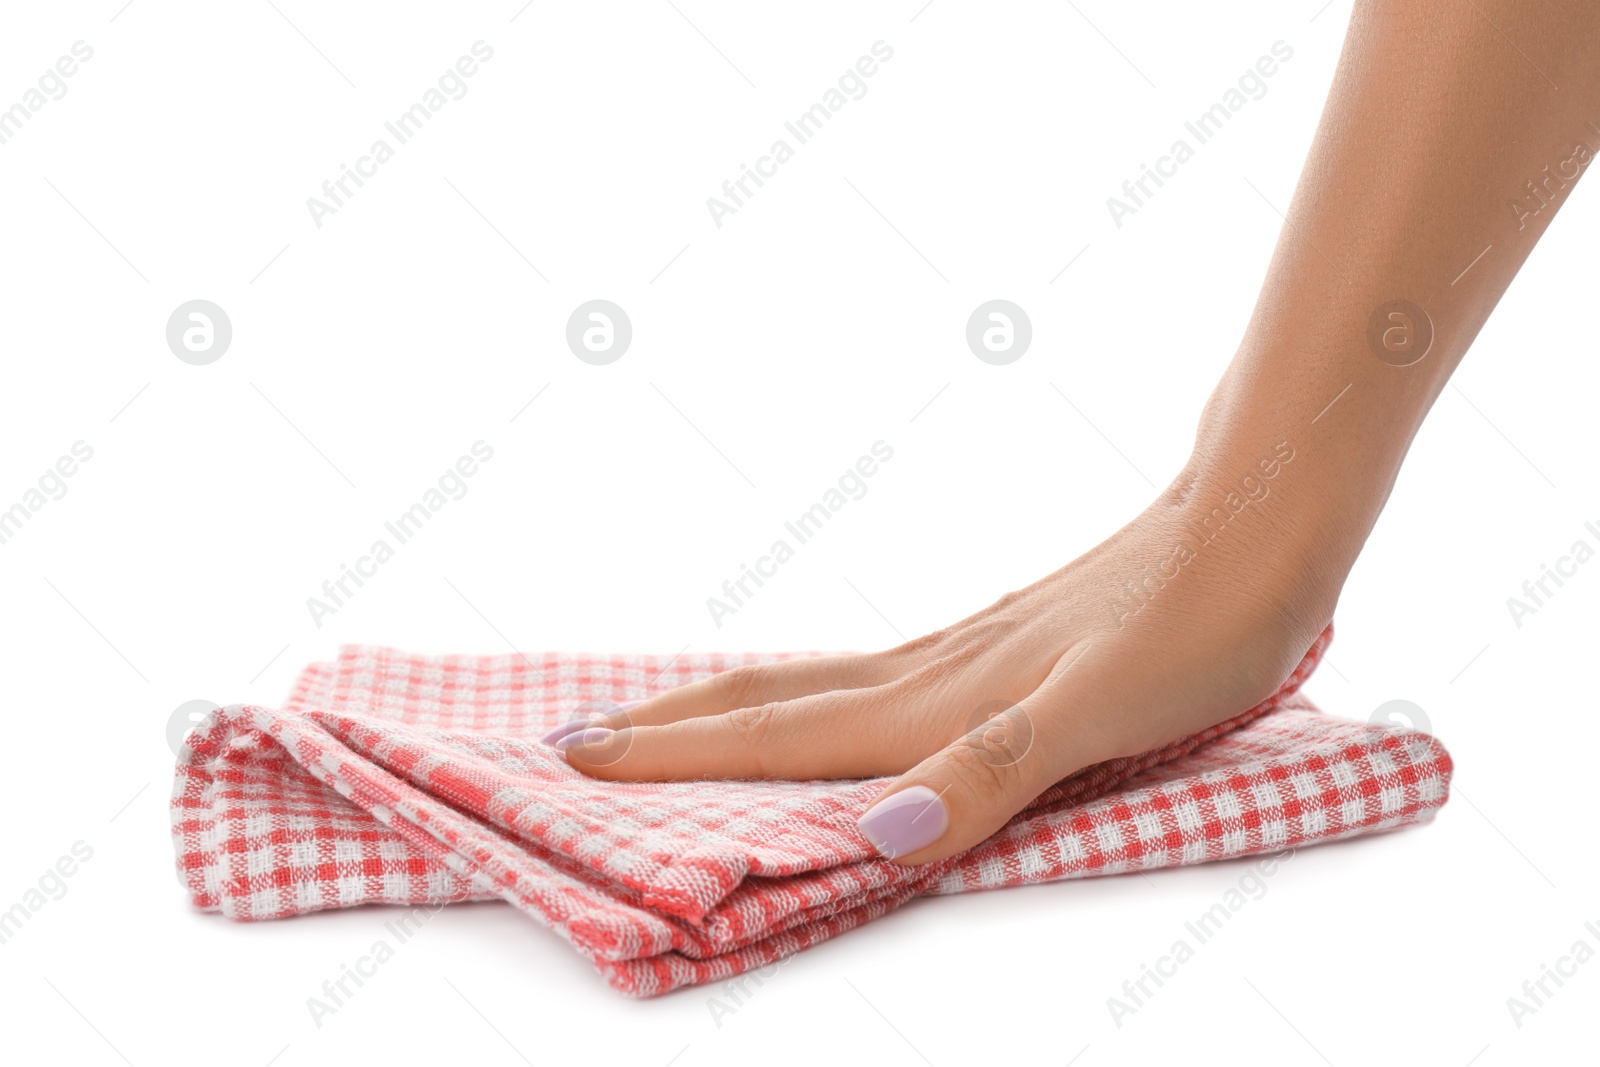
pixel 1169 627
pixel 1195 611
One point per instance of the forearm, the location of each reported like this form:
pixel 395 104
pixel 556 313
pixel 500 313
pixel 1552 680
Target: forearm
pixel 1453 133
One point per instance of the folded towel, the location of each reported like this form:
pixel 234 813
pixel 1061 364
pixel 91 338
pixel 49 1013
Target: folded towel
pixel 400 779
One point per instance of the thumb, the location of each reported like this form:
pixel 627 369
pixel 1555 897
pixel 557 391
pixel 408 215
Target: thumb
pixel 966 791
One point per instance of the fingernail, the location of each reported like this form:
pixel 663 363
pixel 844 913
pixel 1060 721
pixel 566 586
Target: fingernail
pixel 564 729
pixel 587 737
pixel 572 726
pixel 911 819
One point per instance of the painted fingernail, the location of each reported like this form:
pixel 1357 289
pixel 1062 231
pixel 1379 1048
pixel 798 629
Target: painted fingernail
pixel 911 819
pixel 572 726
pixel 586 737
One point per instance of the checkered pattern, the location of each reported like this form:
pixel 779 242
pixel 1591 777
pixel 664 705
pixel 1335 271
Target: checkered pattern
pixel 400 779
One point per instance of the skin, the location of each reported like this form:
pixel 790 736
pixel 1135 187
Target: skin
pixel 1440 115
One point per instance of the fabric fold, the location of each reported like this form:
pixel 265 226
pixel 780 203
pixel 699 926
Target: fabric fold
pixel 401 779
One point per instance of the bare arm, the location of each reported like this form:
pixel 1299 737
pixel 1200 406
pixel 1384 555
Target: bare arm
pixel 1453 126
pixel 1454 132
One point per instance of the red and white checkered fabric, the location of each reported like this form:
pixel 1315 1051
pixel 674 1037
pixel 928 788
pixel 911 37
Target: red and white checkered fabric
pixel 400 779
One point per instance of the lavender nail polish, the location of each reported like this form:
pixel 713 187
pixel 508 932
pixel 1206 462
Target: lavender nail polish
pixel 585 737
pixel 911 819
pixel 572 726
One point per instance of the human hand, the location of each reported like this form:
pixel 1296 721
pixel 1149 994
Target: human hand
pixel 1152 636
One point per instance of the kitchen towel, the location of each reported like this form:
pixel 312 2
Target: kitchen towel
pixel 401 779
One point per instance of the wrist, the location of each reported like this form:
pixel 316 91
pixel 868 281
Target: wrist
pixel 1255 517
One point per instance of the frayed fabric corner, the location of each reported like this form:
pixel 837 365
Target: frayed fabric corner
pixel 400 779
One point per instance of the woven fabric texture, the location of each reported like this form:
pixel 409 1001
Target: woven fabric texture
pixel 402 779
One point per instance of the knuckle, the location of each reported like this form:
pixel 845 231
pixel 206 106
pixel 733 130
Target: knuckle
pixel 918 647
pixel 1002 732
pixel 740 684
pixel 876 666
pixel 940 677
pixel 977 771
pixel 751 725
pixel 899 692
pixel 1009 600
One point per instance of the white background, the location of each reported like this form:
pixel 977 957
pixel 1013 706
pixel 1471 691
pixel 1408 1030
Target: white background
pixel 769 354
